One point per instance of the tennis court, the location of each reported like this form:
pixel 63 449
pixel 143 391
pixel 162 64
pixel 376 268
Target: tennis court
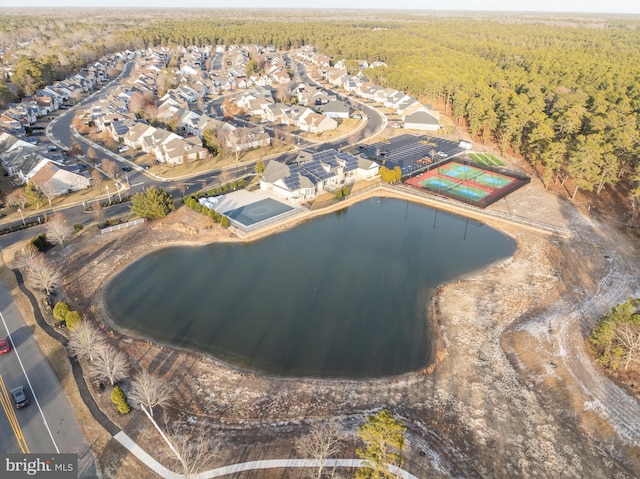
pixel 468 183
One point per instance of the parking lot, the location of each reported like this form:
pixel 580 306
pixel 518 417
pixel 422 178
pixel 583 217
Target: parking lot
pixel 411 153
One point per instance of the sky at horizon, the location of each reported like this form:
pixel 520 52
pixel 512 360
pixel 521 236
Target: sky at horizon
pixel 554 6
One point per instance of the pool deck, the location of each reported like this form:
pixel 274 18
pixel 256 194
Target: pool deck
pixel 239 198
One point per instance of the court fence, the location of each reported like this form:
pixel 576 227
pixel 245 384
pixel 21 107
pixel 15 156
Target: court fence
pixel 407 190
pixel 539 225
pixel 243 229
pixel 518 180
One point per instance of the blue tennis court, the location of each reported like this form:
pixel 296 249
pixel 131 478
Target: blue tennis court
pixel 259 211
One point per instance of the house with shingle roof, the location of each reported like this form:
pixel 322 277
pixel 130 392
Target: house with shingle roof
pixel 335 109
pixel 424 120
pixel 315 172
pixel 55 180
pixel 179 150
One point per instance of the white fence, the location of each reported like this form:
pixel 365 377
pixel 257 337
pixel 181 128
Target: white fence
pixel 121 226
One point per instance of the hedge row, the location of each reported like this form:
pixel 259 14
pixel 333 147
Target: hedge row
pixel 192 202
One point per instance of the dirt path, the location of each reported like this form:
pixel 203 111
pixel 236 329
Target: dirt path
pixel 493 407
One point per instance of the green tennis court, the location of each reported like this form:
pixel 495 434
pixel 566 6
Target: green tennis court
pixel 469 183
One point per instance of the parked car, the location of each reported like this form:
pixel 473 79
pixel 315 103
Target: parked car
pixel 5 345
pixel 52 148
pixel 442 154
pixel 122 149
pixel 127 168
pixel 19 396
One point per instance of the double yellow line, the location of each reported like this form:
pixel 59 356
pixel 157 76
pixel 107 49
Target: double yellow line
pixel 8 406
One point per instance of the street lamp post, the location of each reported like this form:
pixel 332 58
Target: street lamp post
pixel 119 197
pixel 108 194
pixel 22 216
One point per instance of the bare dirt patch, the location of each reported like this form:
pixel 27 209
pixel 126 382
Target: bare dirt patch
pixel 494 406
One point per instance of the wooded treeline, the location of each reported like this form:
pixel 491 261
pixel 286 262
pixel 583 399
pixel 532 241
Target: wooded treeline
pixel 563 92
pixel 565 97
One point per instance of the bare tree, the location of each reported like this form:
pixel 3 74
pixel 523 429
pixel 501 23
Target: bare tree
pixel 149 390
pixel 109 364
pixel 17 198
pixel 43 274
pixel 75 149
pixel 57 227
pixel 323 441
pixel 49 191
pixel 79 124
pixel 92 156
pixel 110 167
pixel 107 139
pixel 98 211
pixel 193 446
pixel 26 258
pixel 137 103
pixel 628 336
pixel 97 179
pixel 85 340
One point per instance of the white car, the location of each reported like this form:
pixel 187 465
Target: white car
pixel 122 149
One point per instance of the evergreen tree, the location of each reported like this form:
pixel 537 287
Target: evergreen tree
pixel 154 203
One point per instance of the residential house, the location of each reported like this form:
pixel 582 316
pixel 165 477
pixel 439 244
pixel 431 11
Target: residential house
pixel 313 173
pixel 179 150
pixel 424 120
pixel 54 179
pixel 313 122
pixel 335 109
pixel 243 139
pixel 157 139
pixel 134 138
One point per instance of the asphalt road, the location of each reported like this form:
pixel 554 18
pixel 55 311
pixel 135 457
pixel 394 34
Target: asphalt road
pixel 48 424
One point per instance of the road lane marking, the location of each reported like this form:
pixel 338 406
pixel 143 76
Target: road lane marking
pixel 7 405
pixel 35 398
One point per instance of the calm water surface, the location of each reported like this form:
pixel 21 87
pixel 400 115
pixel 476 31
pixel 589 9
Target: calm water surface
pixel 343 295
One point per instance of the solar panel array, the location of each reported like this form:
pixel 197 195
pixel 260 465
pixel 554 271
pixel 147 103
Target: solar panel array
pixel 322 166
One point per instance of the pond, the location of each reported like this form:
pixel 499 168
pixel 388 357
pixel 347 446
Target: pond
pixel 343 295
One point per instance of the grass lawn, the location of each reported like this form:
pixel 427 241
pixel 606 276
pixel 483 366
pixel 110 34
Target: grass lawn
pixel 486 159
pixel 495 160
pixel 478 159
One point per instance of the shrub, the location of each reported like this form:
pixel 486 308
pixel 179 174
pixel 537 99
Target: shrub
pixel 241 183
pixel 60 311
pixel 224 222
pixel 120 400
pixel 72 319
pixel 77 227
pixel 41 242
